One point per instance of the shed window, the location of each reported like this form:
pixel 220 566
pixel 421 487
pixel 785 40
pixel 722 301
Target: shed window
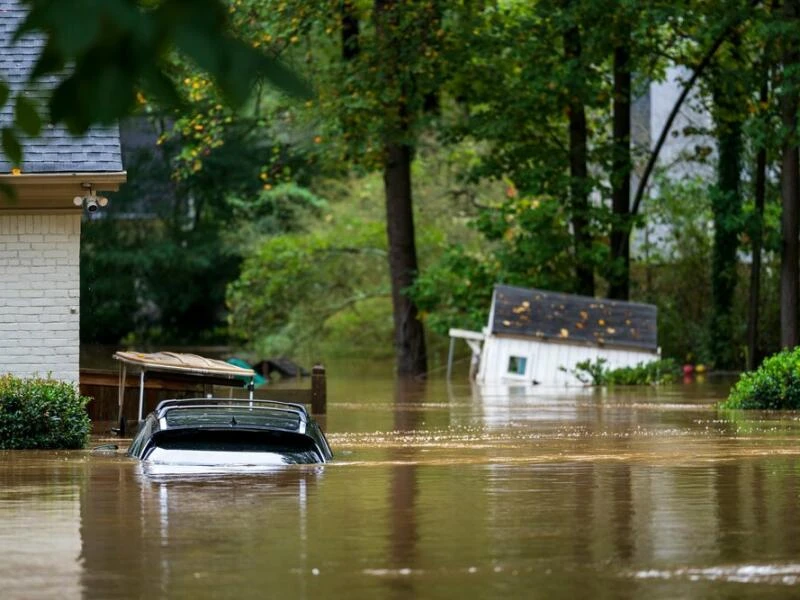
pixel 516 365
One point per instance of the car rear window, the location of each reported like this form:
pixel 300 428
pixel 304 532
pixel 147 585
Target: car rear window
pixel 232 416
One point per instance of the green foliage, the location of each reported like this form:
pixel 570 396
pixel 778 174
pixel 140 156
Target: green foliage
pixel 455 291
pixel 155 266
pixel 657 372
pixel 481 92
pixel 118 48
pixel 293 284
pixel 775 385
pixel 529 245
pixel 41 413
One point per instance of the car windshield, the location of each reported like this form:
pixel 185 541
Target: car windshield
pixel 223 416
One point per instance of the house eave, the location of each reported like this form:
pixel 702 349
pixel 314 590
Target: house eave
pixel 54 192
pixel 106 181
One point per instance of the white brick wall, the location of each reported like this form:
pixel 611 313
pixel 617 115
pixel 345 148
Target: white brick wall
pixel 39 295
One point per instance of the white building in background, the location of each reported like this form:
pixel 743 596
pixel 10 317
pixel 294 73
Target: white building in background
pixel 538 337
pixel 688 152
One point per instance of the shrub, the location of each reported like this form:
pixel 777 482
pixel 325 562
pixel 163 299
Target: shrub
pixel 41 413
pixel 775 385
pixel 652 373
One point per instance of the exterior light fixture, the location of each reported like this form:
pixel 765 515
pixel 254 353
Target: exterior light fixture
pixel 91 200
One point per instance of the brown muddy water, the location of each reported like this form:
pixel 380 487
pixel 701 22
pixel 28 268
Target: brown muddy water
pixel 436 491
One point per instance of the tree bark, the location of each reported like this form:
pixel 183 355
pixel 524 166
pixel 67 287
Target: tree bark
pixel 727 208
pixel 757 244
pixel 579 173
pixel 619 277
pixel 408 331
pixel 790 177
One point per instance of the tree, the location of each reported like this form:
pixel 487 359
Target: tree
pixel 757 228
pixel 580 185
pixel 730 97
pixel 790 177
pixel 409 335
pixel 619 278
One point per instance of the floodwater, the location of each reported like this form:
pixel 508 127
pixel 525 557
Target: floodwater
pixel 436 491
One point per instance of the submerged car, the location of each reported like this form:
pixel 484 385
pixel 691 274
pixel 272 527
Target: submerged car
pixel 227 432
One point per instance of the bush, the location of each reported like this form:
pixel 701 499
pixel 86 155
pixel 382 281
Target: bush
pixel 775 385
pixel 652 373
pixel 41 413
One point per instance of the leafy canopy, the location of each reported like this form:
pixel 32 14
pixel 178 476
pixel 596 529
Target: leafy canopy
pixel 100 56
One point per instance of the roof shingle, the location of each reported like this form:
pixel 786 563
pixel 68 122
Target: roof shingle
pixel 55 150
pixel 577 319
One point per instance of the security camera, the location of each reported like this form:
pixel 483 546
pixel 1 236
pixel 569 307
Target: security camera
pixel 91 205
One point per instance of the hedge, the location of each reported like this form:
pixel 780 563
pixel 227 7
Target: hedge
pixel 41 413
pixel 775 385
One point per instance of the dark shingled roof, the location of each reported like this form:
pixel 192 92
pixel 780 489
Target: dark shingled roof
pixel 579 319
pixel 55 150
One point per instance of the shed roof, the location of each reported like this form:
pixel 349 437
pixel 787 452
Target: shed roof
pixel 188 364
pixel 570 318
pixel 55 150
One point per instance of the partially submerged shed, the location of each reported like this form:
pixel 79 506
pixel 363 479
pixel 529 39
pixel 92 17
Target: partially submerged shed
pixel 536 336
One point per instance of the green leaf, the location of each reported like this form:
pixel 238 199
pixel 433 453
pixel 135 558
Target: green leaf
pixel 27 117
pixel 283 78
pixel 156 84
pixel 11 146
pixel 3 93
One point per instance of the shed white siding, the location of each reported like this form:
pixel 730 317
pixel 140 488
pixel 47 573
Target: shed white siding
pixel 39 294
pixel 545 361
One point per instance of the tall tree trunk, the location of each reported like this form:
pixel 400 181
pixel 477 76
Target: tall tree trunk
pixel 757 243
pixel 579 173
pixel 790 177
pixel 727 209
pixel 410 351
pixel 619 278
pixel 408 331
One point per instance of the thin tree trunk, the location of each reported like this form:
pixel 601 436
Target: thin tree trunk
pixel 579 173
pixel 619 279
pixel 757 242
pixel 790 177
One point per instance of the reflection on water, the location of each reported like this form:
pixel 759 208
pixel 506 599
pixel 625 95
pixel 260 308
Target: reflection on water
pixel 437 491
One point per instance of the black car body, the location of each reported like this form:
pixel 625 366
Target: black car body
pixel 226 432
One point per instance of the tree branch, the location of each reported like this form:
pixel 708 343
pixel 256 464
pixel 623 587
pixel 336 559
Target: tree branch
pixel 676 109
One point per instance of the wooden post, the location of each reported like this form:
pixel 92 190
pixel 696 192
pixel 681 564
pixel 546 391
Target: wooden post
pixel 319 394
pixel 123 376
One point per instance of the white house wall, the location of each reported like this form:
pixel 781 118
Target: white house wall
pixel 545 359
pixel 39 295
